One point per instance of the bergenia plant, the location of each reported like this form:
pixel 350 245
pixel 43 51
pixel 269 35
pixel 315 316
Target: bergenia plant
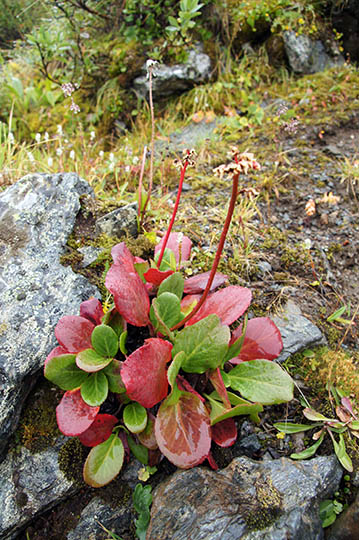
pixel 179 391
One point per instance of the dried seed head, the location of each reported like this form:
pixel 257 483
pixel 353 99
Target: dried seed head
pixel 243 163
pixel 188 156
pixel 310 208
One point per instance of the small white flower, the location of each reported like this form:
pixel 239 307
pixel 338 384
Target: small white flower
pixel 11 138
pixel 307 243
pixel 66 141
pixel 72 154
pixel 31 157
pixel 135 160
pixel 101 153
pixel 46 136
pixel 92 136
pixel 127 168
pixel 50 161
pixel 59 130
pixel 112 157
pixel 37 137
pixel 59 151
pixel 74 107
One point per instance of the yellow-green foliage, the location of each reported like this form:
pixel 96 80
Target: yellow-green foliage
pixel 265 507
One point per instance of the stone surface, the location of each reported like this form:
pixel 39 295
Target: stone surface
pixel 307 56
pixel 271 500
pixel 116 519
pixel 170 80
pixel 29 484
pixel 346 526
pixel 118 222
pixel 37 215
pixel 297 332
pixel 188 137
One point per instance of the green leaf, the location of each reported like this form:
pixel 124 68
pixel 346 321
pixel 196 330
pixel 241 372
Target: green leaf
pixel 236 347
pixel 95 389
pixel 309 452
pixel 104 462
pixel 123 339
pixel 135 417
pixel 138 450
pixel 173 284
pixel 263 381
pixel 219 412
pixel 341 453
pixel 205 344
pixel 104 340
pixel 165 312
pixel 113 374
pixel 168 260
pixel 142 500
pixel 174 368
pixel 90 361
pixel 288 427
pixel 313 415
pixel 63 371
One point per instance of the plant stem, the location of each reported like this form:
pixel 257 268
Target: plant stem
pixel 227 223
pixel 140 186
pixel 180 185
pixel 152 143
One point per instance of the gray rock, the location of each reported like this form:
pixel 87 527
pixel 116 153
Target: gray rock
pixel 169 80
pixel 117 519
pixel 90 254
pixel 37 215
pixel 118 222
pixel 188 137
pixel 307 56
pixel 29 485
pixel 297 331
pixel 272 500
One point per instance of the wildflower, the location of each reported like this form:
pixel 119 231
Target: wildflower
pixel 151 66
pixel 50 161
pixel 59 151
pixel 11 137
pixel 30 157
pixel 310 208
pixel 59 130
pixel 112 157
pixel 72 154
pixel 307 244
pixel 68 89
pixel 74 107
pixel 92 136
pixel 46 136
pixel 188 156
pixel 242 164
pixel 37 137
pixel 101 153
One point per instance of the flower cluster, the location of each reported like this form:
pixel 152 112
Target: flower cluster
pixel 243 162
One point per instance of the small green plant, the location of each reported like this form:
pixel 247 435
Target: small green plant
pixel 347 422
pixel 329 509
pixel 181 25
pixel 142 500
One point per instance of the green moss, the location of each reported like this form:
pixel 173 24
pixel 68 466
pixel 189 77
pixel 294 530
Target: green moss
pixel 37 428
pixel 267 506
pixel 71 459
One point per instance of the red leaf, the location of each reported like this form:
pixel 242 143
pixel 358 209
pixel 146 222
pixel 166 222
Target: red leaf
pixel 262 341
pixel 92 310
pixel 156 276
pixel 198 283
pixel 57 351
pixel 183 431
pixel 147 436
pixel 177 242
pixel 129 292
pixel 99 431
pixel 224 433
pixel 144 372
pixel 189 302
pixel 229 304
pixel 74 333
pixel 73 415
pixel 216 379
pixel 183 384
pixel 212 462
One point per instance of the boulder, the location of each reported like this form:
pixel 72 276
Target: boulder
pixel 249 500
pixel 37 214
pixel 168 80
pixel 306 56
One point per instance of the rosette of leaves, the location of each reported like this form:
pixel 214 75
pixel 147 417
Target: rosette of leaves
pixel 160 412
